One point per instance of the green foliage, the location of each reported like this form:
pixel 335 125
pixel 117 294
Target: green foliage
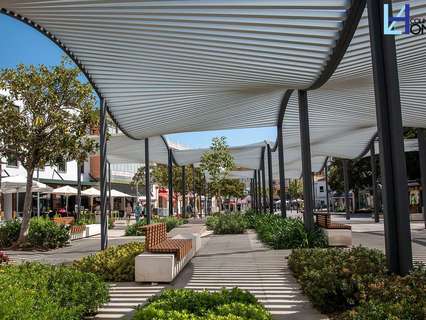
pixel 355 283
pixel 33 291
pixel 50 126
pixel 295 188
pixel 232 188
pixel 218 162
pixel 9 233
pixel 186 304
pixel 117 263
pixel 334 278
pixel 171 223
pixel 44 233
pixel 230 223
pixel 288 233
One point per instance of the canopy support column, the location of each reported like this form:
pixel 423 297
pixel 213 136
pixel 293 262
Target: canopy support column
pixel 183 192
pixel 263 182
pixel 147 183
pixel 103 173
pixel 281 172
pixel 193 191
pixel 78 213
pixel 306 159
pixel 110 202
pixel 327 199
pixel 421 136
pixel 390 131
pixel 256 208
pixel 346 183
pixel 374 182
pixel 259 192
pixel 271 190
pixel 170 180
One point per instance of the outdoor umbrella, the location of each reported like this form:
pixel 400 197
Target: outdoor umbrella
pixel 91 192
pixel 65 191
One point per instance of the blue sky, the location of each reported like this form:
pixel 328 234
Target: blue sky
pixel 22 44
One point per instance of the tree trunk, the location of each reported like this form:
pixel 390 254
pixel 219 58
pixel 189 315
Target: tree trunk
pixel 23 235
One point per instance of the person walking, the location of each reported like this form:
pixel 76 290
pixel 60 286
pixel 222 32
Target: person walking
pixel 129 212
pixel 138 211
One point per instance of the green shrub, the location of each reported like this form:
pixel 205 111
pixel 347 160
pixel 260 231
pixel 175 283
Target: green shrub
pixel 392 297
pixel 44 233
pixel 211 222
pixel 9 233
pixel 229 223
pixel 117 263
pixel 187 304
pixel 171 223
pixel 33 291
pixel 135 229
pixel 288 233
pixel 334 278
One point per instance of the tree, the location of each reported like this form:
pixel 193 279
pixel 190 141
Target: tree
pixel 56 111
pixel 295 188
pixel 233 188
pixel 218 162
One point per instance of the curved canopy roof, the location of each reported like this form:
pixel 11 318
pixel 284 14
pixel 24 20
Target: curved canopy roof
pixel 176 66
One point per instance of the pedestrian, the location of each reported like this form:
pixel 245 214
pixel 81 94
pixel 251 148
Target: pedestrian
pixel 138 211
pixel 129 212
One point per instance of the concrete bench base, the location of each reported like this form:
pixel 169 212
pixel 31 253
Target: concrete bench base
pixel 163 267
pixel 338 237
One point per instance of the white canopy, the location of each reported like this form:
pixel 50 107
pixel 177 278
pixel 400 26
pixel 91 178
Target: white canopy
pixel 65 190
pixel 119 194
pixel 18 184
pixel 91 192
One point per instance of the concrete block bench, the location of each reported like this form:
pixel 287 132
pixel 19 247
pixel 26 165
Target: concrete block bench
pixel 337 234
pixel 164 257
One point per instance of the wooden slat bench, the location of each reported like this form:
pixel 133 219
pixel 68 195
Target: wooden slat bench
pixel 324 221
pixel 338 234
pixel 156 241
pixel 63 220
pixel 164 257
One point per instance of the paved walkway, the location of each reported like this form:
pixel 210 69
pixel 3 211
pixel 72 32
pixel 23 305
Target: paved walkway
pixel 227 261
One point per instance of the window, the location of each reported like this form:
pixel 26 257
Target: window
pixel 321 188
pixel 12 160
pixel 62 166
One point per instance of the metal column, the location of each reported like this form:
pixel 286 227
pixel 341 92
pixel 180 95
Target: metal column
pixel 147 183
pixel 263 182
pixel 183 192
pixel 326 186
pixel 256 205
pixel 390 132
pixel 110 202
pixel 193 190
pixel 421 136
pixel 78 191
pixel 259 191
pixel 281 172
pixel 346 183
pixel 103 173
pixel 170 180
pixel 313 191
pixel 271 190
pixel 306 160
pixel 374 182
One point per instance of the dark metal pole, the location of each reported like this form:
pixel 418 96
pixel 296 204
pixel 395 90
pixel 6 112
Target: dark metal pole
pixel 263 182
pixel 390 132
pixel 79 164
pixel 271 190
pixel 147 183
pixel 281 172
pixel 326 186
pixel 103 173
pixel 256 206
pixel 346 183
pixel 374 182
pixel 306 160
pixel 109 216
pixel 183 192
pixel 313 192
pixel 421 136
pixel 170 180
pixel 193 190
pixel 259 191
